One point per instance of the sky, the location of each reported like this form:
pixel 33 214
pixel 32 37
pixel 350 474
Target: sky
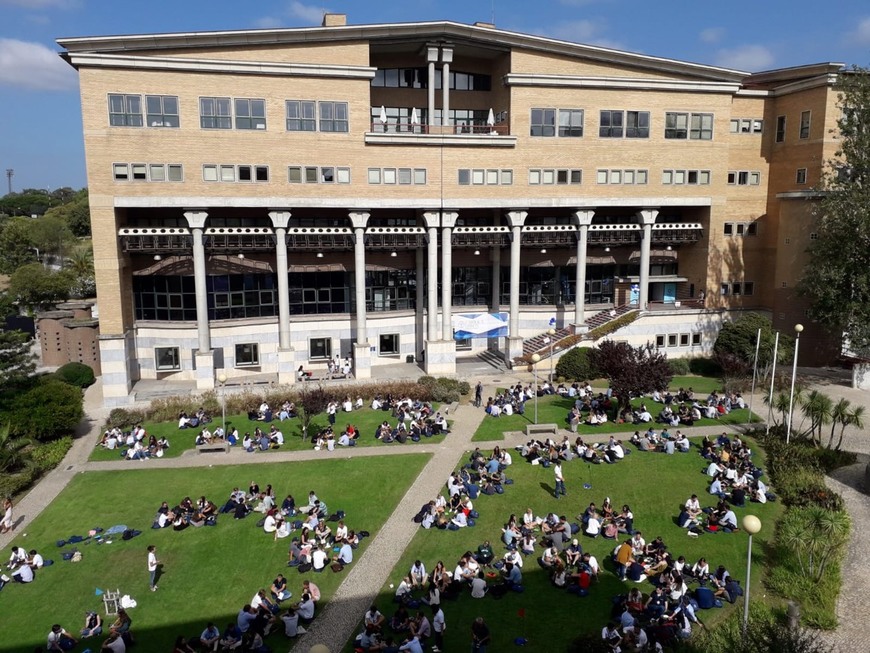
pixel 40 115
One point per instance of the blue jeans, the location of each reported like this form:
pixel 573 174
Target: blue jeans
pixel 560 488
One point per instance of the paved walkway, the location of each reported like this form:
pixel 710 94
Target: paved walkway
pixel 337 622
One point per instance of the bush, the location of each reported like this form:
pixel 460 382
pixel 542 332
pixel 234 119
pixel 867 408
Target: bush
pixel 12 484
pixel 49 455
pixel 124 417
pixel 576 365
pixel 705 367
pixel 443 390
pixel 679 366
pixel 614 325
pixel 48 411
pixel 77 374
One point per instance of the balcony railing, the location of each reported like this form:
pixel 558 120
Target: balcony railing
pixel 392 127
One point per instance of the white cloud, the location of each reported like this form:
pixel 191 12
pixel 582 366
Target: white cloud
pixel 308 13
pixel 861 34
pixel 751 58
pixel 712 35
pixel 268 22
pixel 41 4
pixel 589 32
pixel 33 66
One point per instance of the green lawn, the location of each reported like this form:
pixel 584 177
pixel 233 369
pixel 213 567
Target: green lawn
pixel 659 485
pixel 181 440
pixel 553 409
pixel 209 572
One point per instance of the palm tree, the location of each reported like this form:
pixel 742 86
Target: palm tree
pixel 81 265
pixel 839 417
pixel 13 451
pixel 817 407
pixel 855 419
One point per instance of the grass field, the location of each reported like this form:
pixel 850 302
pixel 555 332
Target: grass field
pixel 553 409
pixel 209 572
pixel 654 485
pixel 181 440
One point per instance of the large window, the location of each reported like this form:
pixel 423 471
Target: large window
pixel 161 110
pixel 173 298
pixel 391 290
pixel 215 113
pixel 320 293
pixel 571 123
pixel 472 286
pixel 247 355
pixel 419 78
pixel 333 117
pixel 805 125
pixel 167 359
pixel 780 129
pixel 611 124
pixel 250 114
pixel 125 110
pixel 388 344
pixel 543 122
pixel 637 124
pixel 301 116
pixel 319 349
pixel 702 127
pixel 676 125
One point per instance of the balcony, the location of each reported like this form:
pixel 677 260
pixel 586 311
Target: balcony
pixel 415 134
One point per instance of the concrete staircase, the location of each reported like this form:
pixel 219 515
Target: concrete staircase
pixel 540 344
pixel 603 317
pixel 493 359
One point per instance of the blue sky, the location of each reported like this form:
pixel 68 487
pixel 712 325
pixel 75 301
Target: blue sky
pixel 40 119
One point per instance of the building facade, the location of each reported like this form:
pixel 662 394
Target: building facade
pixel 263 200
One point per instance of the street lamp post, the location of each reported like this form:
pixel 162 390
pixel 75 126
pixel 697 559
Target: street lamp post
pixel 222 379
pixel 536 358
pixel 551 334
pixel 797 341
pixel 751 524
pixel 754 374
pixel 772 379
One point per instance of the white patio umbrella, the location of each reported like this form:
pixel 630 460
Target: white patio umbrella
pixel 490 120
pixel 383 116
pixel 415 119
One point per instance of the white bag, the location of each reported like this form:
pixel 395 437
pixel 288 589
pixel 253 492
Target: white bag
pixel 127 602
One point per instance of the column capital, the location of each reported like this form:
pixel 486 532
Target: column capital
pixel 432 218
pixel 517 217
pixel 280 219
pixel 447 54
pixel 432 52
pixel 448 218
pixel 359 219
pixel 584 216
pixel 196 218
pixel 647 216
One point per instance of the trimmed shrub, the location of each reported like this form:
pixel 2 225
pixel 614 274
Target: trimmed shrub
pixel 705 367
pixel 48 411
pixel 443 390
pixel 613 325
pixel 77 374
pixel 679 366
pixel 124 417
pixel 12 484
pixel 49 455
pixel 576 365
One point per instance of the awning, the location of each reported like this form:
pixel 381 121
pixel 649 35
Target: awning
pixel 654 254
pixel 594 260
pixel 319 267
pixel 215 264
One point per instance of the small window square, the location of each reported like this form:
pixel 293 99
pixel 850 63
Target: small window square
pixel 374 175
pixel 294 174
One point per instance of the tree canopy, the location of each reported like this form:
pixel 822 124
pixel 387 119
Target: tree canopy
pixel 17 361
pixel 631 370
pixel 837 278
pixel 737 339
pixel 38 288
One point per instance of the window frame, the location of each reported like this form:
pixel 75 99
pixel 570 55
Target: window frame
pixel 779 134
pixel 252 121
pixel 174 365
pixel 326 346
pixel 333 122
pixel 805 125
pixel 565 130
pixel 397 351
pixel 642 132
pixel 254 355
pixel 611 130
pixel 800 176
pixel 676 125
pixel 546 127
pixel 218 120
pixel 163 114
pixel 698 133
pixel 303 123
pixel 129 118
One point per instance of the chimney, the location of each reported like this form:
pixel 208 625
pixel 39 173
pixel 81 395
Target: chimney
pixel 334 20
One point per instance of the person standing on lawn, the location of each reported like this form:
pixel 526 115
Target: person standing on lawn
pixel 438 627
pixel 152 566
pixel 478 394
pixel 560 479
pixel 479 636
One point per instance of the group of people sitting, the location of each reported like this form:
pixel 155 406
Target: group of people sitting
pixel 120 635
pixel 186 513
pixel 664 442
pixel 199 418
pixel 410 428
pixel 548 452
pixel 22 566
pixel 137 448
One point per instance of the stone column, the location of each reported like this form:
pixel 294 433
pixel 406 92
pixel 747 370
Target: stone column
pixel 514 346
pixel 362 362
pixel 204 356
pixel 432 219
pixel 448 220
pixel 647 218
pixel 431 59
pixel 420 330
pixel 446 60
pixel 584 219
pixel 496 279
pixel 286 355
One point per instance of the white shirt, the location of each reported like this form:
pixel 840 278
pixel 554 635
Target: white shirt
pixel 152 561
pixel 318 559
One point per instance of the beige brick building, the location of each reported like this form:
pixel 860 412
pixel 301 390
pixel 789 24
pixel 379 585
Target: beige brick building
pixel 263 200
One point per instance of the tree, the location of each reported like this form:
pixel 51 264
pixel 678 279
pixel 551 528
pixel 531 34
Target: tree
pixel 38 288
pixel 48 411
pixel 815 536
pixel 80 265
pixel 736 343
pixel 75 212
pixel 13 451
pixel 17 361
pixel 632 370
pixel 51 235
pixel 574 364
pixel 837 278
pixel 311 402
pixel 16 244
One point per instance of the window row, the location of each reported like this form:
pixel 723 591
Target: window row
pixel 480 177
pixel 740 228
pixel 614 123
pixel 747 126
pixel 737 288
pixel 677 339
pixel 623 176
pixel 555 176
pixel 232 173
pixel 402 176
pixel 690 177
pixel 419 78
pixel 743 178
pixel 318 174
pixel 803 127
pixel 147 172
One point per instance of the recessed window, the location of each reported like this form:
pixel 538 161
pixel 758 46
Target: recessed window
pixel 161 110
pixel 209 173
pixel 156 172
pixel 294 174
pixel 228 173
pixel 327 175
pixel 610 124
pixel 672 340
pixel 175 172
pixel 571 123
pixel 637 124
pixel 375 176
pixel 464 177
pixel 311 174
pixel 748 287
pixel 388 344
pixel 405 176
pixel 477 177
pixel 389 175
pixel 215 113
pixel 696 338
pixel 140 172
pixel 333 117
pixel 261 173
pixel 660 340
pixel 250 114
pixel 245 173
pixel 420 175
pixel 120 171
pixel 301 116
pixel 805 125
pixel 543 122
pixel 125 110
pixel 801 176
pixel 684 340
pixel 247 355
pixel 167 359
pixel 724 289
pixel 729 228
pixel 676 125
pixel 780 129
pixel 319 349
pixel 342 175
